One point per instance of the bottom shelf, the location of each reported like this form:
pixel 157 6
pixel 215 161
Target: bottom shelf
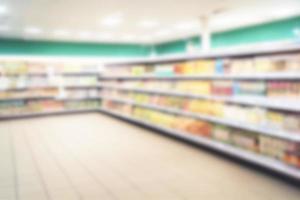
pixel 245 155
pixel 41 114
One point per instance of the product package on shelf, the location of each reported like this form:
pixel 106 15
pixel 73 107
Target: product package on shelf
pixel 138 70
pixel 164 70
pixel 283 89
pixel 81 93
pixel 222 88
pixel 8 108
pixel 242 66
pixel 249 88
pixel 83 81
pixel 194 87
pixel 77 105
pixel 119 107
pixel 221 133
pixel 278 64
pixel 13 67
pixel 45 106
pixel 245 140
pixel 205 67
pixel 47 92
pixel 36 68
pixel 117 71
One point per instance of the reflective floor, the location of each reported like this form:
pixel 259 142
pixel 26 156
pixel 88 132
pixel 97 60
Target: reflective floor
pixel 93 156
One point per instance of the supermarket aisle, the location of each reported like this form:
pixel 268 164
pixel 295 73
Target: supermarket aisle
pixel 97 157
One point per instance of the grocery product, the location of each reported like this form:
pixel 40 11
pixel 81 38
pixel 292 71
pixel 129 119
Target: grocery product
pixel 205 67
pixel 242 66
pixel 245 140
pixel 222 88
pixel 272 147
pixel 221 133
pixel 194 87
pixel 249 88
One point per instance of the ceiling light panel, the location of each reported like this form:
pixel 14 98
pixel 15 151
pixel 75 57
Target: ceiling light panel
pixel 112 20
pixel 32 30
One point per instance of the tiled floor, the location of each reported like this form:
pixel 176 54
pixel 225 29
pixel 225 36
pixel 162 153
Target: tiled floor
pixel 97 157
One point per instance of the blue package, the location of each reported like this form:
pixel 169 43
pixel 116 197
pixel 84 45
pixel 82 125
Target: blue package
pixel 219 67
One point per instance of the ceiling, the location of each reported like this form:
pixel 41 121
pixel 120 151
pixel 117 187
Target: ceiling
pixel 132 21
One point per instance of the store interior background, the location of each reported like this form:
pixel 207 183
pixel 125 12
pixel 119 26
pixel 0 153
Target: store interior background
pixel 75 47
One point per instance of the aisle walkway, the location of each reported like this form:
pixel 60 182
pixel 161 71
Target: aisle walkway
pixel 96 157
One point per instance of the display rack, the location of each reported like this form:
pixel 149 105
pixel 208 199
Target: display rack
pixel 26 92
pixel 236 124
pixel 107 93
pixel 120 93
pixel 289 105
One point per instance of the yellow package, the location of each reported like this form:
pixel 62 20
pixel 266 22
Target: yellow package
pixel 263 65
pixel 188 68
pixel 205 67
pixel 137 70
pixel 275 119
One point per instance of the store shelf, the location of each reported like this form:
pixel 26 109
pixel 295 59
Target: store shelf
pixel 226 53
pixel 27 98
pixel 76 99
pixel 52 87
pixel 271 103
pixel 269 76
pixel 27 88
pixel 80 86
pixel 226 122
pixel 43 114
pixel 52 74
pixel 48 98
pixel 260 160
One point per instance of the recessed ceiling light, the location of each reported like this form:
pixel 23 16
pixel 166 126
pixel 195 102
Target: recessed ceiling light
pixel 112 20
pixel 3 9
pixel 33 30
pixel 61 33
pixel 148 24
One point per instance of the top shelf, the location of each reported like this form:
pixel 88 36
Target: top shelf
pixel 269 76
pixel 50 74
pixel 235 53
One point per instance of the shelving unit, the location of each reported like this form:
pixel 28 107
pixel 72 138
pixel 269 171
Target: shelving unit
pixel 257 159
pixel 226 122
pixel 276 76
pixel 112 89
pixel 57 85
pixel 44 114
pixel 118 100
pixel 290 105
